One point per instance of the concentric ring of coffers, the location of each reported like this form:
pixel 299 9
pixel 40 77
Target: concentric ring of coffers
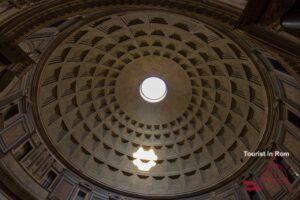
pixel 223 112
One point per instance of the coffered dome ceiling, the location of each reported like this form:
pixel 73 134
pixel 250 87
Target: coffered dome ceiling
pixel 91 110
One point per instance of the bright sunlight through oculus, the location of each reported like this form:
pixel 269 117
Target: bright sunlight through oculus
pixel 144 160
pixel 153 90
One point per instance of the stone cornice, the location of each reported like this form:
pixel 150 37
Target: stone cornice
pixel 46 12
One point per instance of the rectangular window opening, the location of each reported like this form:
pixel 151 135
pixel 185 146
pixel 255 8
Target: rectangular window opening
pixel 51 176
pixel 12 111
pixel 278 66
pixel 23 151
pixel 294 119
pixel 80 195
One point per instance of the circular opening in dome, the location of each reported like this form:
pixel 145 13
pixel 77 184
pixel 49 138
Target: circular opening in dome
pixel 153 90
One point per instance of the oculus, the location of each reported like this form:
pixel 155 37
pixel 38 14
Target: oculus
pixel 153 90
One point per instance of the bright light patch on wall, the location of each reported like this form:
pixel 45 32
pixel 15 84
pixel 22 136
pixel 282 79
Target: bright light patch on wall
pixel 153 89
pixel 144 160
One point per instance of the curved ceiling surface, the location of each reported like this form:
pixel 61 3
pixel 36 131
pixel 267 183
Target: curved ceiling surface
pixel 91 110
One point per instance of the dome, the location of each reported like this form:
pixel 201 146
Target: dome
pixel 89 107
